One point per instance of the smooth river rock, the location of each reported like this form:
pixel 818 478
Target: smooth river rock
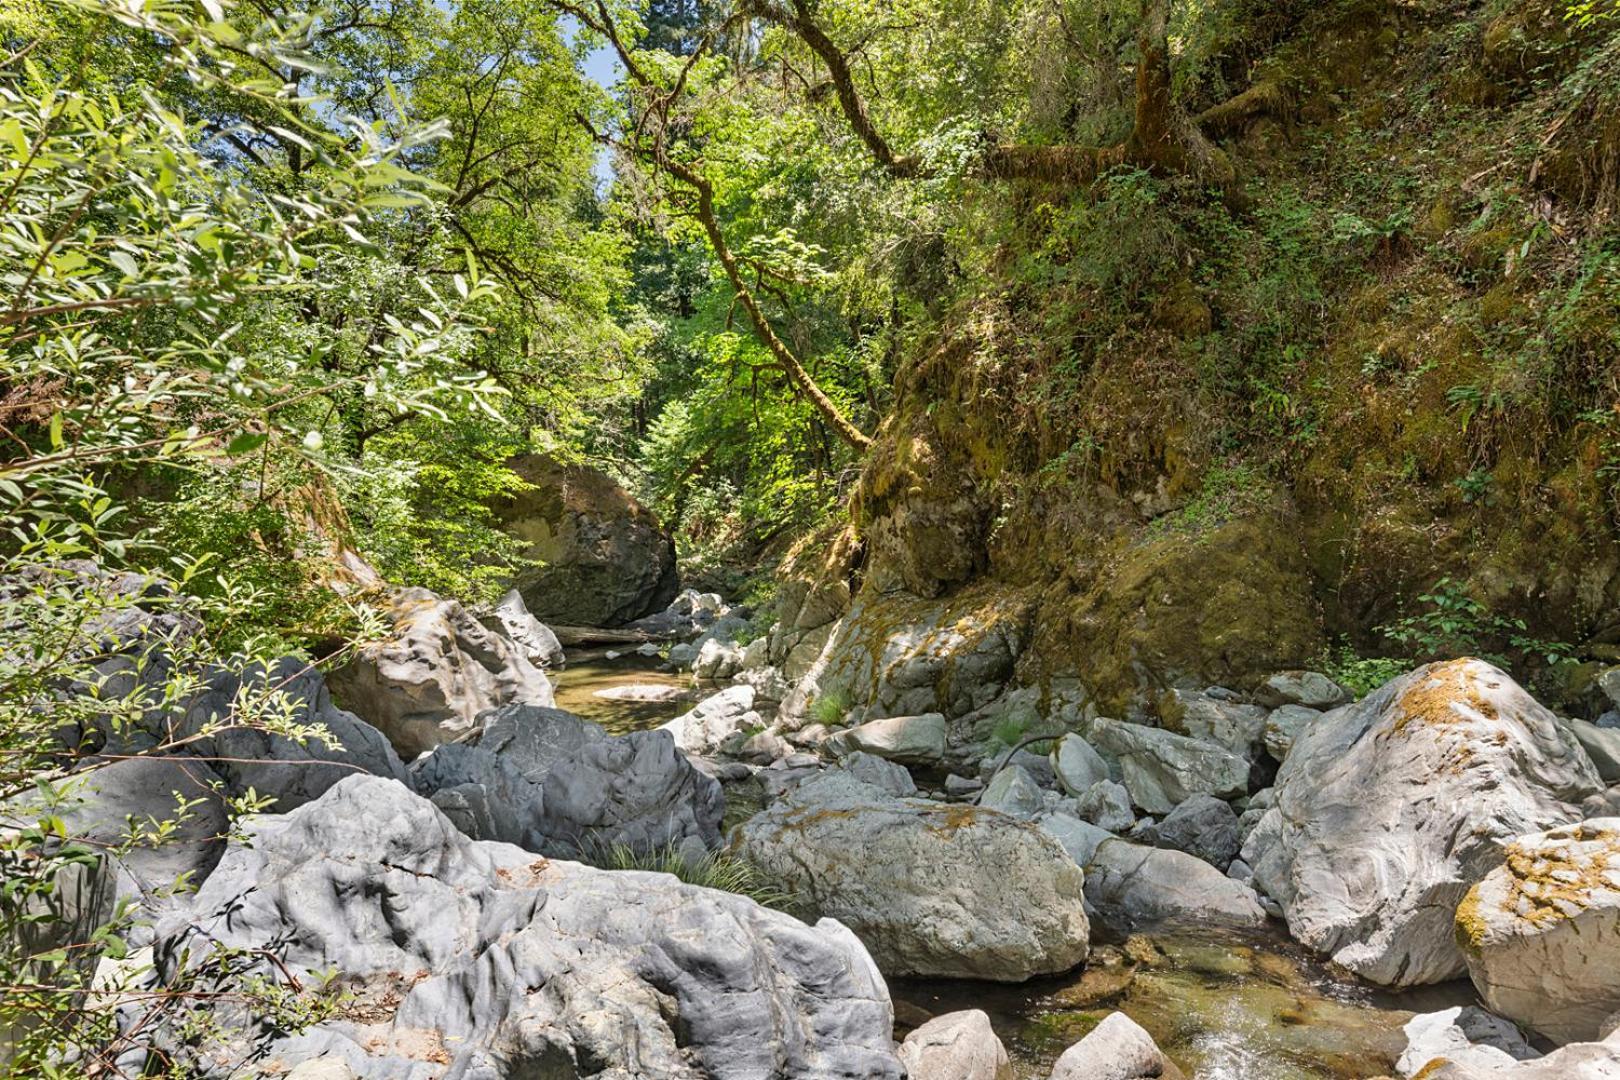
pixel 1465 1035
pixel 1133 887
pixel 1389 809
pixel 956 1046
pixel 933 889
pixel 910 740
pixel 480 960
pixel 1116 1049
pixel 1541 932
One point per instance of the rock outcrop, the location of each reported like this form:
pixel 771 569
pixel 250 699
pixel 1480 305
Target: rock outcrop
pixel 480 960
pixel 439 667
pixel 932 889
pixel 605 558
pixel 1541 932
pixel 1388 810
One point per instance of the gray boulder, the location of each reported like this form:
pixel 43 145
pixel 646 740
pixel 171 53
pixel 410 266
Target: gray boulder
pixel 439 667
pixel 956 1046
pixel 290 771
pixel 1389 809
pixel 1463 1035
pixel 1311 689
pixel 911 740
pixel 714 720
pixel 598 791
pixel 1133 887
pixel 1013 791
pixel 1541 932
pixel 1107 805
pixel 1079 838
pixel 717 660
pixel 1116 1049
pixel 1602 745
pixel 484 794
pixel 533 638
pixel 1283 726
pixel 933 889
pixel 1203 826
pixel 1233 725
pixel 891 778
pixel 1076 765
pixel 1162 769
pixel 473 959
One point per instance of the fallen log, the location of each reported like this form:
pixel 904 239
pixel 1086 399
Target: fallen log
pixel 602 635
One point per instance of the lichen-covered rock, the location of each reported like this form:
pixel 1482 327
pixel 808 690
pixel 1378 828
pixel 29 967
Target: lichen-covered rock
pixel 932 889
pixel 1116 1049
pixel 1162 769
pixel 1389 809
pixel 956 1046
pixel 1541 932
pixel 1580 1061
pixel 480 960
pixel 1133 887
pixel 439 667
pixel 290 771
pixel 605 558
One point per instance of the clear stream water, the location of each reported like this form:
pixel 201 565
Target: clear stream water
pixel 1249 1007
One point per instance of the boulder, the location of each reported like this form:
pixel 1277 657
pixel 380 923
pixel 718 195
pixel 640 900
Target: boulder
pixel 1602 745
pixel 1463 1035
pixel 1236 726
pixel 1106 805
pixel 1204 827
pixel 439 667
pixel 1283 726
pixel 956 1046
pixel 110 807
pixel 933 889
pixel 484 794
pixel 1079 838
pixel 291 771
pixel 717 660
pixel 533 638
pixel 605 558
pixel 1541 932
pixel 1389 809
pixel 1013 791
pixel 911 740
pixel 886 775
pixel 476 959
pixel 1133 887
pixel 1076 765
pixel 1311 689
pixel 714 720
pixel 1116 1049
pixel 1162 769
pixel 598 791
pixel 1582 1061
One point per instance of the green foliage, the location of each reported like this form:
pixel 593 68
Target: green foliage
pixel 831 709
pixel 1361 675
pixel 1453 623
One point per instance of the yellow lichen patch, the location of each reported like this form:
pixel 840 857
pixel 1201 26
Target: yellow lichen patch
pixel 1432 1069
pixel 946 822
pixel 1556 880
pixel 801 820
pixel 1470 931
pixel 1441 697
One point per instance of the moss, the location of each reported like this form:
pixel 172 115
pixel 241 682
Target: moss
pixel 1437 699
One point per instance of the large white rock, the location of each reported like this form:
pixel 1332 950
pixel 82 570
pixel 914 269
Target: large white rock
pixel 1580 1061
pixel 533 638
pixel 1162 769
pixel 714 720
pixel 1463 1034
pixel 1389 809
pixel 439 667
pixel 478 959
pixel 1132 887
pixel 933 889
pixel 956 1046
pixel 1542 931
pixel 1116 1049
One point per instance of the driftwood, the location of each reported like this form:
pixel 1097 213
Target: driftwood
pixel 601 635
